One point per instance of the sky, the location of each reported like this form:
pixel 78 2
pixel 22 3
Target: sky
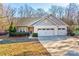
pixel 44 6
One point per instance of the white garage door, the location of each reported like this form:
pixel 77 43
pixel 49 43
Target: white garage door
pixel 46 32
pixel 61 31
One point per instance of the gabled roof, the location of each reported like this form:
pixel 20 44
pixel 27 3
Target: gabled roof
pixel 50 18
pixel 45 20
pixel 25 21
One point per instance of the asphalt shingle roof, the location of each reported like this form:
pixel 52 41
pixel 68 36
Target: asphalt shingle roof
pixel 40 21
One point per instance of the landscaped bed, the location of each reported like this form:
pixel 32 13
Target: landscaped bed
pixel 19 34
pixel 22 49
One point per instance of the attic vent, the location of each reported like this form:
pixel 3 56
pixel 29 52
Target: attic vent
pixel 45 21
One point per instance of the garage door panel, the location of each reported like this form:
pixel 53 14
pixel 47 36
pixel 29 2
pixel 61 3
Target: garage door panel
pixel 62 32
pixel 46 32
pixel 52 31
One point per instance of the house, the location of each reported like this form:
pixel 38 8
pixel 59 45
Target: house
pixel 48 25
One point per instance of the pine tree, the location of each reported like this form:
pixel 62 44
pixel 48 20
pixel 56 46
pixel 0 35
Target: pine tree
pixel 11 27
pixel 14 29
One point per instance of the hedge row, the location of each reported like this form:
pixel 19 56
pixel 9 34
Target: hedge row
pixel 14 34
pixel 34 34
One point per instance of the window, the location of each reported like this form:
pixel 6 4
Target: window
pixel 52 29
pixel 39 29
pixel 48 29
pixel 23 31
pixel 43 29
pixel 20 30
pixel 59 28
pixel 63 28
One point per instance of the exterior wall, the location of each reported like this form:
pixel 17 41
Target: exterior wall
pixel 22 28
pixel 36 28
pixel 31 29
pixel 55 28
pixel 64 32
pixel 25 28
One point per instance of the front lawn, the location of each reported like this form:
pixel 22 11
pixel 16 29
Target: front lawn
pixel 22 49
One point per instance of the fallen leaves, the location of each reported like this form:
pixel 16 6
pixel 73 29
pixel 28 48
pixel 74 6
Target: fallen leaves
pixel 25 48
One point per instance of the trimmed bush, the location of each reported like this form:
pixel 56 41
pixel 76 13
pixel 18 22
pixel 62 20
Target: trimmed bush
pixel 35 35
pixel 27 34
pixel 19 34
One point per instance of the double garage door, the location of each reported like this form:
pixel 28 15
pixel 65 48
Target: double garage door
pixel 51 31
pixel 46 32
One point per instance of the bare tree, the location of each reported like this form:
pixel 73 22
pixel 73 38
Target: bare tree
pixel 1 9
pixel 60 12
pixel 71 13
pixel 40 12
pixel 53 10
pixel 29 11
pixel 71 10
pixel 21 11
pixel 77 18
pixel 26 11
pixel 10 13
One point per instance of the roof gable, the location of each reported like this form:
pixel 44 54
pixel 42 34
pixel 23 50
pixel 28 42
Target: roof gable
pixel 48 20
pixel 43 22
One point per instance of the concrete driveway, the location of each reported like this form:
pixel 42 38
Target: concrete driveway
pixel 47 39
pixel 60 45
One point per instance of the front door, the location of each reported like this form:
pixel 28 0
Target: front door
pixel 31 29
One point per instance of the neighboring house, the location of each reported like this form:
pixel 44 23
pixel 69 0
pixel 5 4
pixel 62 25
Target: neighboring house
pixel 45 26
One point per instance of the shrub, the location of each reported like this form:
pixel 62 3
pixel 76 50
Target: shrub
pixel 12 28
pixel 35 34
pixel 70 32
pixel 77 29
pixel 76 32
pixel 27 33
pixel 13 34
